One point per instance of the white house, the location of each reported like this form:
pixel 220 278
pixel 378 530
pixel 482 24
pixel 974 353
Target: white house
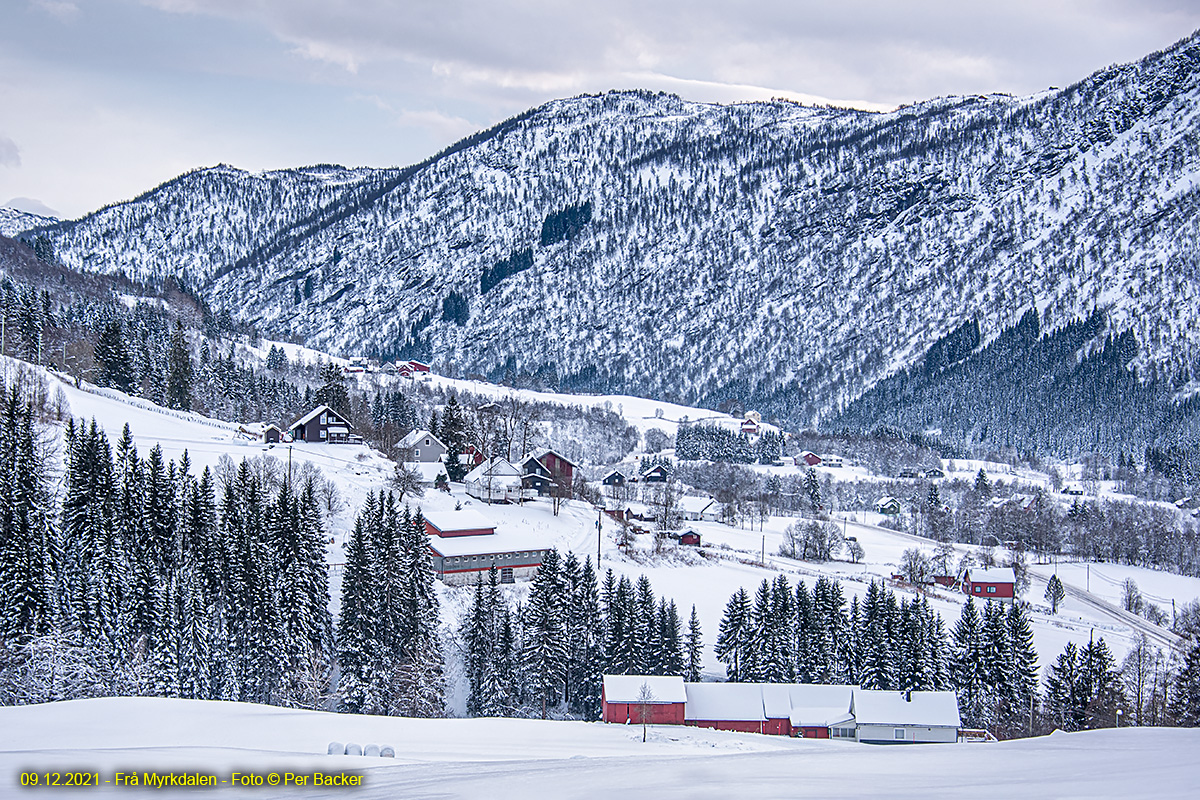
pixel 694 508
pixel 494 481
pixel 895 717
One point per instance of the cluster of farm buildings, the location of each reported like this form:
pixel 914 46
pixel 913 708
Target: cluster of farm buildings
pixel 815 711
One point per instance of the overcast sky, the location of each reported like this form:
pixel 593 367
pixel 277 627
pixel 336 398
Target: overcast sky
pixel 103 99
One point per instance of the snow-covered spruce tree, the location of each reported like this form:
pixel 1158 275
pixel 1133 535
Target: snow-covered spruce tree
pixel 670 641
pixel 93 557
pixel 643 630
pixel 734 634
pixel 180 372
pixel 479 636
pixel 544 654
pixel 809 640
pixel 586 641
pixel 968 667
pixel 618 645
pixel 26 558
pixel 757 657
pixel 1185 700
pixel 1100 687
pixel 875 638
pixel 417 682
pixel 1024 682
pixel 357 647
pixel 780 650
pixel 113 359
pixel 1062 704
pixel 999 668
pixel 1055 593
pixel 694 648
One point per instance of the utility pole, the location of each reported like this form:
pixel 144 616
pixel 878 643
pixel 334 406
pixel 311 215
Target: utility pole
pixel 599 530
pixel 289 467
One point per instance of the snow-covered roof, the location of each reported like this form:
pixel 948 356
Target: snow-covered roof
pixel 628 688
pixel 925 709
pixel 416 436
pixel 464 520
pixel 542 452
pixel 428 470
pixel 695 505
pixel 496 544
pixel 729 702
pixel 811 703
pixel 492 468
pixel 992 575
pixel 310 416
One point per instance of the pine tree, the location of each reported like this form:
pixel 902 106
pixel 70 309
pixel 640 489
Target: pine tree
pixel 545 652
pixel 968 668
pixel 1185 699
pixel 694 646
pixel 358 649
pixel 180 372
pixel 1024 681
pixel 670 640
pixel 1055 593
pixel 734 635
pixel 112 358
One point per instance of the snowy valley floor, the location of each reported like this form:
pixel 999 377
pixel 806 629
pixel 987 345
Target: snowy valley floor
pixel 500 758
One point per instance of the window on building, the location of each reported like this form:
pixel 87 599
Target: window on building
pixel 323 434
pixel 978 589
pixel 506 575
pixel 991 588
pixel 900 733
pixel 427 443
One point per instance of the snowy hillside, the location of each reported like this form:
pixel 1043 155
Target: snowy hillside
pixel 13 221
pixel 732 558
pixel 505 758
pixel 783 256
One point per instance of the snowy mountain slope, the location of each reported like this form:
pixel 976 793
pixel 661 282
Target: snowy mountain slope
pixel 784 256
pixel 13 221
pixel 508 758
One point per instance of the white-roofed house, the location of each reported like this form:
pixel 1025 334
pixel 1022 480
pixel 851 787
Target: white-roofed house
pixel 622 698
pixel 495 481
pixel 814 711
pixel 894 717
pixel 465 545
pixel 421 446
pixel 694 508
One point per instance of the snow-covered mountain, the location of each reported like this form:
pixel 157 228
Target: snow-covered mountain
pixel 778 255
pixel 13 221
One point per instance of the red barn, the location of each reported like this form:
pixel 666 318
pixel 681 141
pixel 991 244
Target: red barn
pixel 810 458
pixel 997 583
pixel 418 366
pixel 623 696
pixel 726 707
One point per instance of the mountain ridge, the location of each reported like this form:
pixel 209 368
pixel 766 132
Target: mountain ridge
pixel 758 254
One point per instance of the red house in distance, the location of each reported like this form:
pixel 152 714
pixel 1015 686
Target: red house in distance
pixel 996 583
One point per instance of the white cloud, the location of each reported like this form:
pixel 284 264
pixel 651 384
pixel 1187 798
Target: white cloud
pixel 61 10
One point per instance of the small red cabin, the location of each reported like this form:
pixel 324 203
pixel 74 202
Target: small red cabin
pixel 810 458
pixel 996 583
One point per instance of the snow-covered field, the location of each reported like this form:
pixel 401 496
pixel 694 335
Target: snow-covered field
pixel 506 758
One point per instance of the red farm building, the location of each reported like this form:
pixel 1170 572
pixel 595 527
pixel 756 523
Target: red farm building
pixel 996 583
pixel 624 696
pixel 726 707
pixel 809 458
